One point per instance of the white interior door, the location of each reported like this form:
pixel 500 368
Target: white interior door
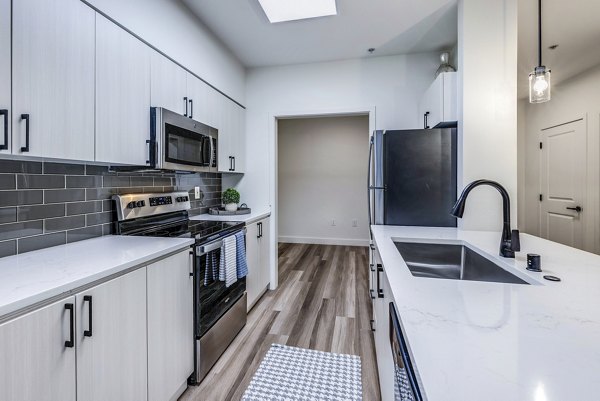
pixel 563 183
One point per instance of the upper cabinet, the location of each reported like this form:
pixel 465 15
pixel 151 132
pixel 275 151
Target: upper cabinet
pixel 5 110
pixel 232 139
pixel 122 95
pixel 438 107
pixel 53 78
pixel 168 85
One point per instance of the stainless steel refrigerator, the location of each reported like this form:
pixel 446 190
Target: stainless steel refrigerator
pixel 412 177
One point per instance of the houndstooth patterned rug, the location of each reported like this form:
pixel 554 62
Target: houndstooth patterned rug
pixel 298 374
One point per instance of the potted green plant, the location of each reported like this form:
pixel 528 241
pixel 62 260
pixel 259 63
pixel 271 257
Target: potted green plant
pixel 231 198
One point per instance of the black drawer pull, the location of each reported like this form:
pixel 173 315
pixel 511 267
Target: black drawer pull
pixel 185 102
pixel 88 332
pixel 70 343
pixel 26 118
pixel 4 112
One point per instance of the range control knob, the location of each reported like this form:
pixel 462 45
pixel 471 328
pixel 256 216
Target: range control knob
pixel 131 205
pixel 140 203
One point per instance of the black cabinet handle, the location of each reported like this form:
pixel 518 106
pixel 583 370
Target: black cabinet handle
pixel 372 294
pixel 26 118
pixel 372 267
pixel 4 112
pixel 88 332
pixel 233 163
pixel 230 163
pixel 425 123
pixel 185 104
pixel 379 289
pixel 260 232
pixel 71 342
pixel 191 108
pixel 372 325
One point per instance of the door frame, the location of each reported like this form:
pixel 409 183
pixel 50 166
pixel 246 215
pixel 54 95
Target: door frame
pixel 273 119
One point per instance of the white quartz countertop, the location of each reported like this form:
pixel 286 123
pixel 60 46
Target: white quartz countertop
pixel 474 341
pixel 33 277
pixel 245 218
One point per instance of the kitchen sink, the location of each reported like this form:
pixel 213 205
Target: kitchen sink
pixel 454 262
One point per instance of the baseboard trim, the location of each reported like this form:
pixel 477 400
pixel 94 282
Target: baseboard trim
pixel 324 241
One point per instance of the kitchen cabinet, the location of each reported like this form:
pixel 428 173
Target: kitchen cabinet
pixel 37 362
pixel 52 78
pixel 257 254
pixel 122 95
pixel 438 107
pixel 232 140
pixel 170 326
pixel 198 94
pixel 111 339
pixel 5 75
pixel 168 87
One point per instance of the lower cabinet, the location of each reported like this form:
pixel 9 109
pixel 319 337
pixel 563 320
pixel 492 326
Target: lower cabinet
pixel 111 340
pixel 257 252
pixel 37 360
pixel 170 326
pixel 385 359
pixel 130 338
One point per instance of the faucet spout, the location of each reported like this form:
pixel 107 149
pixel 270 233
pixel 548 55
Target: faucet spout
pixel 510 241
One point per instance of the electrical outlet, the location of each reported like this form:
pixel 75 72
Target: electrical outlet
pixel 333 222
pixel 197 192
pixel 355 223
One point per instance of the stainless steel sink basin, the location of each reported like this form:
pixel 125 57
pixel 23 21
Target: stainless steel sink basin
pixel 454 262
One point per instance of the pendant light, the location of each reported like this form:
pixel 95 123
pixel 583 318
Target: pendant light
pixel 539 79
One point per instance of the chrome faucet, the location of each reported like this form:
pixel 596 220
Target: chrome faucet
pixel 510 241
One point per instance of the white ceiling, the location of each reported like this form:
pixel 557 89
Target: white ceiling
pixel 573 25
pixel 390 26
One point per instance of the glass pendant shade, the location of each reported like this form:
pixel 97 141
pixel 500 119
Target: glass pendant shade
pixel 539 85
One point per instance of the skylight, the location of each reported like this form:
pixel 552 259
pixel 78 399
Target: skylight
pixel 291 10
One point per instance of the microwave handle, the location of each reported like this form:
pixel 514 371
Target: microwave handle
pixel 211 147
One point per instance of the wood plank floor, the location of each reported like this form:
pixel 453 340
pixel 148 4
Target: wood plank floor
pixel 322 303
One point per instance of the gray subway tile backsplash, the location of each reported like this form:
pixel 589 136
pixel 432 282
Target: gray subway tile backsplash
pixel 44 204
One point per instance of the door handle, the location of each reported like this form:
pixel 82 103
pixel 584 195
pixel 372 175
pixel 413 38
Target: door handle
pixel 70 343
pixel 26 118
pixel 425 122
pixel 4 112
pixel 88 332
pixel 578 209
pixel 379 289
pixel 185 104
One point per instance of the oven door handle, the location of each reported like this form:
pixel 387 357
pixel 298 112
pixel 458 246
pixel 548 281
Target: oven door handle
pixel 213 246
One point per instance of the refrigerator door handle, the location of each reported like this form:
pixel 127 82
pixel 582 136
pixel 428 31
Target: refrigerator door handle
pixel 369 186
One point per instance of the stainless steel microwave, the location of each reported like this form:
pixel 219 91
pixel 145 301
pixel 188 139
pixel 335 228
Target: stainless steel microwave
pixel 181 144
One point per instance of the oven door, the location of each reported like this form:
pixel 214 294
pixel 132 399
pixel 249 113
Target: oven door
pixel 405 383
pixel 182 143
pixel 213 298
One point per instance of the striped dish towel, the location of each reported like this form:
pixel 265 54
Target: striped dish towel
pixel 210 272
pixel 227 267
pixel 242 264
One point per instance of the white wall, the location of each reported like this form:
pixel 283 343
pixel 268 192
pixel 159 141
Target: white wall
pixel 487 47
pixel 578 97
pixel 322 177
pixel 171 27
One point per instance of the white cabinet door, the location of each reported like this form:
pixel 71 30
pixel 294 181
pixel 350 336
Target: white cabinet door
pixel 252 256
pixel 5 60
pixel 431 104
pixel 112 359
pixel 450 96
pixel 122 95
pixel 53 78
pixel 168 84
pixel 385 362
pixel 35 362
pixel 225 152
pixel 239 133
pixel 170 326
pixel 198 95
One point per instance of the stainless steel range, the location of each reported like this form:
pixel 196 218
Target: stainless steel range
pixel 219 311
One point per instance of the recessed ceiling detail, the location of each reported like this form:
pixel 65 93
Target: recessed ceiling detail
pixel 390 26
pixel 291 10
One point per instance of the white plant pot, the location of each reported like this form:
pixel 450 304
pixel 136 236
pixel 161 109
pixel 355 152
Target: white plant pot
pixel 231 207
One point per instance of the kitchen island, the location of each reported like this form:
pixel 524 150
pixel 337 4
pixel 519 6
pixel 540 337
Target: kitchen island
pixel 473 340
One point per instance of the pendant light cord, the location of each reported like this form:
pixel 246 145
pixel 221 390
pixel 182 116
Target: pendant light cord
pixel 540 31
